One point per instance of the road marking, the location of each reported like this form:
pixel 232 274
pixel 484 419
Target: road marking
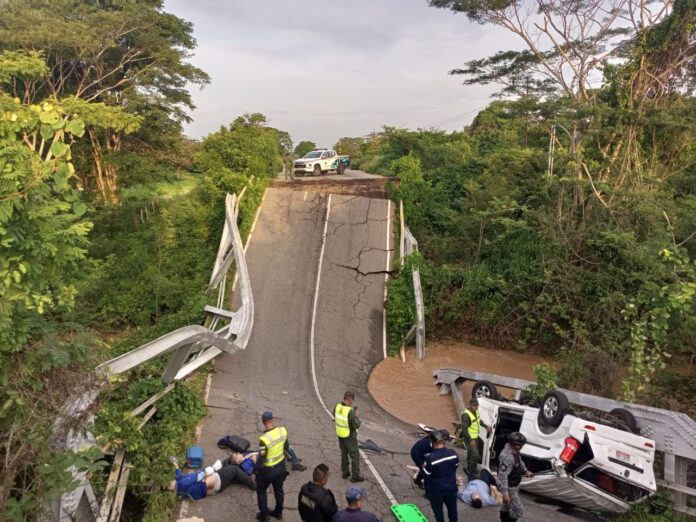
pixel 386 277
pixel 377 476
pixel 314 307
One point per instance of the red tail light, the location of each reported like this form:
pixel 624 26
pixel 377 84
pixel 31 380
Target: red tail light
pixel 649 445
pixel 590 427
pixel 571 447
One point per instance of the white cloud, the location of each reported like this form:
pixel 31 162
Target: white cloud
pixel 326 69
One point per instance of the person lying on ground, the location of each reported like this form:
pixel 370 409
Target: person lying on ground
pixel 213 479
pixel 482 492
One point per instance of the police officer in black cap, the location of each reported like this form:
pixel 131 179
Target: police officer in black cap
pixel 440 469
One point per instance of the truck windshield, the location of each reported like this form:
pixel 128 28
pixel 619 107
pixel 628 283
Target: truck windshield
pixel 313 154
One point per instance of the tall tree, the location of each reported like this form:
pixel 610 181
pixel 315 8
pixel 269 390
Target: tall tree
pixel 125 54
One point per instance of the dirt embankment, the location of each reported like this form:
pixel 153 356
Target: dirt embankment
pixel 407 390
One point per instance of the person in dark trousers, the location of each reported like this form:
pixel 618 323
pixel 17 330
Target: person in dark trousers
pixel 418 452
pixel 355 496
pixel 471 422
pixel 315 502
pixel 510 470
pixel 270 467
pixel 347 424
pixel 440 469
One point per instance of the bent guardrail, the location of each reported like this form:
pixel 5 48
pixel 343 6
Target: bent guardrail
pixel 407 246
pixel 192 346
pixel 674 433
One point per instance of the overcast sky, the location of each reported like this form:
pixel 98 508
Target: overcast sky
pixel 322 69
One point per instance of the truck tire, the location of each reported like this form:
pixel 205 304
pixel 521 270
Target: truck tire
pixel 626 420
pixel 317 170
pixel 485 390
pixel 341 169
pixel 553 408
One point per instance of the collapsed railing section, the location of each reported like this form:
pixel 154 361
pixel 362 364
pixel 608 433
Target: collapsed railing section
pixel 191 347
pixel 195 345
pixel 407 246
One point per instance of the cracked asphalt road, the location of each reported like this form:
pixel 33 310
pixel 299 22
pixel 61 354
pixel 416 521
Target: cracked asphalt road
pixel 274 372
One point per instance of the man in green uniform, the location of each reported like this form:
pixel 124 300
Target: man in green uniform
pixel 347 424
pixel 471 422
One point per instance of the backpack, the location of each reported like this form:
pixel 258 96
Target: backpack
pixel 234 443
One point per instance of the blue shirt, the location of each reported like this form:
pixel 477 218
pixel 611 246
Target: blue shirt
pixel 440 470
pixel 190 485
pixel 482 488
pixel 420 449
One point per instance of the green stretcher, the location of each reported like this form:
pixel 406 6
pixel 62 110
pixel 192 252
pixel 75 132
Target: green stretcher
pixel 408 513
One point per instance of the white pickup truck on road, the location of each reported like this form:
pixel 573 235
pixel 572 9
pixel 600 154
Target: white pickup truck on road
pixel 321 161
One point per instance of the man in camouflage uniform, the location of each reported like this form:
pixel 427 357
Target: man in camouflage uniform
pixel 510 471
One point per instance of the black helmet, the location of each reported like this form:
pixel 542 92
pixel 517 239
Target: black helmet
pixel 517 438
pixel 437 436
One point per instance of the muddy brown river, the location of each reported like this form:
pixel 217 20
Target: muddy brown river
pixel 407 390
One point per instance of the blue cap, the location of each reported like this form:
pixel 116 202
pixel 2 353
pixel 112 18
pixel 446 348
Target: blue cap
pixel 266 415
pixel 355 493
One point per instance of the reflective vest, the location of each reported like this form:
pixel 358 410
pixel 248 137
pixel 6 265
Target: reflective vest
pixel 274 440
pixel 474 424
pixel 341 417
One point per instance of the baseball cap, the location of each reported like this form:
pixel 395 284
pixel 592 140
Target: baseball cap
pixel 445 434
pixel 354 493
pixel 266 415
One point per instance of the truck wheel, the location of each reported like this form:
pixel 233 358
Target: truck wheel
pixel 626 420
pixel 484 390
pixel 317 170
pixel 341 169
pixel 553 409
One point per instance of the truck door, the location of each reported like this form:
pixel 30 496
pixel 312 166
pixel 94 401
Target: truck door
pixel 489 415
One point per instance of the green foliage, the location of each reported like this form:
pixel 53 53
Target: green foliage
pixel 304 147
pixel 546 380
pixel 401 310
pixel 653 315
pixel 512 256
pixel 247 147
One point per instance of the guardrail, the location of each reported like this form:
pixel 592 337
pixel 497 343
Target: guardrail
pixel 193 346
pixel 407 246
pixel 674 433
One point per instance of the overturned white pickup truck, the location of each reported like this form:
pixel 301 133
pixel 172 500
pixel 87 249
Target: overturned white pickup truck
pixel 576 462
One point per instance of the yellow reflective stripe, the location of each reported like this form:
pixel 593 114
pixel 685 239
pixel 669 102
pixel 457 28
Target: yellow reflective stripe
pixel 475 422
pixel 341 413
pixel 274 441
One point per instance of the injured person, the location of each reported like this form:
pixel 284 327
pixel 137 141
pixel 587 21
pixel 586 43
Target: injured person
pixel 213 479
pixel 482 492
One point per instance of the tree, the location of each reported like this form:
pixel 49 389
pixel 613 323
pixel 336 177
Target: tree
pixel 124 54
pixel 304 147
pixel 43 244
pixel 247 147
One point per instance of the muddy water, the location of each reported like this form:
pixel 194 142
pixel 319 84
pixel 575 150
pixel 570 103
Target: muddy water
pixel 407 390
